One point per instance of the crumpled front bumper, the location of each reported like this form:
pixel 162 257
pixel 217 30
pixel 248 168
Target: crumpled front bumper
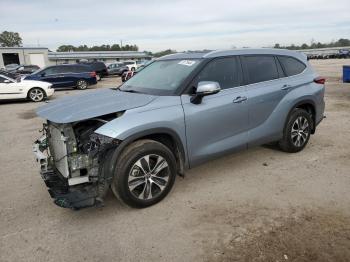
pixel 64 195
pixel 75 197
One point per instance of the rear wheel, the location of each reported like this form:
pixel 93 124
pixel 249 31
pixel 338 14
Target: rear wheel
pixel 297 131
pixel 144 174
pixel 82 84
pixel 36 94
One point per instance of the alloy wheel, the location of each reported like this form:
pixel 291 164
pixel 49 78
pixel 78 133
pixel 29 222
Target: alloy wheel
pixel 82 84
pixel 300 131
pixel 148 177
pixel 36 95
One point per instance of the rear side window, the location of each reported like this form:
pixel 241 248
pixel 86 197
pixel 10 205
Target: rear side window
pixel 53 70
pixel 291 65
pixel 79 69
pixel 225 71
pixel 260 68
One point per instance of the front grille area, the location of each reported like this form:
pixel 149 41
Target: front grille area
pixel 58 149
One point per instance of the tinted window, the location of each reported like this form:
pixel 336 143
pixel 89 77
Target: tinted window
pixel 79 69
pixel 52 70
pixel 260 68
pixel 225 71
pixel 291 65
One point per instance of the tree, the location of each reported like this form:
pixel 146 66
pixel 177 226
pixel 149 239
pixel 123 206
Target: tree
pixel 114 47
pixel 10 39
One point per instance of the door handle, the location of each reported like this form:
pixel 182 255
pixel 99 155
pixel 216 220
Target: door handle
pixel 286 87
pixel 239 99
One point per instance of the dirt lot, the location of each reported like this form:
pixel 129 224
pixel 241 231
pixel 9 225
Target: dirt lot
pixel 258 205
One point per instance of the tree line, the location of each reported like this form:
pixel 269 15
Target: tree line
pixel 314 45
pixel 114 47
pixel 13 39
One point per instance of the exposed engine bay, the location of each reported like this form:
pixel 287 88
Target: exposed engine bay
pixel 72 158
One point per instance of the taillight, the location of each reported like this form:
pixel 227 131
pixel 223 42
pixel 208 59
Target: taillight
pixel 320 80
pixel 93 74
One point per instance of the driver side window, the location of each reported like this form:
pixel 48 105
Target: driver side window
pixel 226 71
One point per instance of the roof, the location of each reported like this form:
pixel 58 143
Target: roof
pixel 97 54
pixel 244 51
pixel 24 48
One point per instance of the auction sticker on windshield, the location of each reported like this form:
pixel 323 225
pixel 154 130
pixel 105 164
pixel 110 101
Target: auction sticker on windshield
pixel 187 62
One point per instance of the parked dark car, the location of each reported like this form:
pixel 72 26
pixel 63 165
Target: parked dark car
pixel 76 75
pixel 26 69
pixel 117 69
pixel 99 67
pixel 11 67
pixel 9 74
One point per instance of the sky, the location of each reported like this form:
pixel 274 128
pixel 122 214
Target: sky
pixel 155 25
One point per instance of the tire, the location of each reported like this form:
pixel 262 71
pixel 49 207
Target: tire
pixel 132 182
pixel 133 69
pixel 297 131
pixel 36 94
pixel 82 84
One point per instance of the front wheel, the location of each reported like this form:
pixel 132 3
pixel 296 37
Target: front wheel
pixel 36 94
pixel 144 174
pixel 297 131
pixel 82 84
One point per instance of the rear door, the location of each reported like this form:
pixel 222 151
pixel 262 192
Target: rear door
pixel 219 123
pixel 264 92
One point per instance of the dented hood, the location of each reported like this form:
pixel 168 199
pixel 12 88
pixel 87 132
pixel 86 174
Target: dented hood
pixel 91 104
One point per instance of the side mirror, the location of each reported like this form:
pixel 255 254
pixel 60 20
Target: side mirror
pixel 7 81
pixel 205 88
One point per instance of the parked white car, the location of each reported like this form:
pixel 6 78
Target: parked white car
pixel 35 91
pixel 132 65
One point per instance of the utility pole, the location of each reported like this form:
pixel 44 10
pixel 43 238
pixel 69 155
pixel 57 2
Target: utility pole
pixel 121 44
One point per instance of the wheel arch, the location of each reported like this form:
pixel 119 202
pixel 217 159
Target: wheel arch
pixel 166 136
pixel 310 107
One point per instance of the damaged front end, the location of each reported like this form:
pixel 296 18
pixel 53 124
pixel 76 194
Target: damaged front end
pixel 73 160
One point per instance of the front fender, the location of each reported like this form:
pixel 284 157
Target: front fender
pixel 151 119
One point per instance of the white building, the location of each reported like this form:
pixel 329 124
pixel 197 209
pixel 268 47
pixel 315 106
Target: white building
pixel 42 57
pixel 104 56
pixel 23 56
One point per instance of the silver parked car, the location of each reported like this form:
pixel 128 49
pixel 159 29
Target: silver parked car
pixel 178 112
pixel 117 69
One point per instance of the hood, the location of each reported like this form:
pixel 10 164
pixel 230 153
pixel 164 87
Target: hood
pixel 91 104
pixel 25 82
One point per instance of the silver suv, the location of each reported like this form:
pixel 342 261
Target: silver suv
pixel 178 112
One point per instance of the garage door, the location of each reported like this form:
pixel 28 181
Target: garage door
pixel 37 59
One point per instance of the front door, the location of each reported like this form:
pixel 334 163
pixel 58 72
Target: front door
pixel 10 89
pixel 219 123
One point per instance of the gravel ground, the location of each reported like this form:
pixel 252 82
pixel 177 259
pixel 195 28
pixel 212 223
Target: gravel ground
pixel 257 205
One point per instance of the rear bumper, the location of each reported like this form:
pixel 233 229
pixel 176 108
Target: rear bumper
pixel 92 81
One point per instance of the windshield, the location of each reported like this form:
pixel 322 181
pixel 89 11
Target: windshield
pixel 161 77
